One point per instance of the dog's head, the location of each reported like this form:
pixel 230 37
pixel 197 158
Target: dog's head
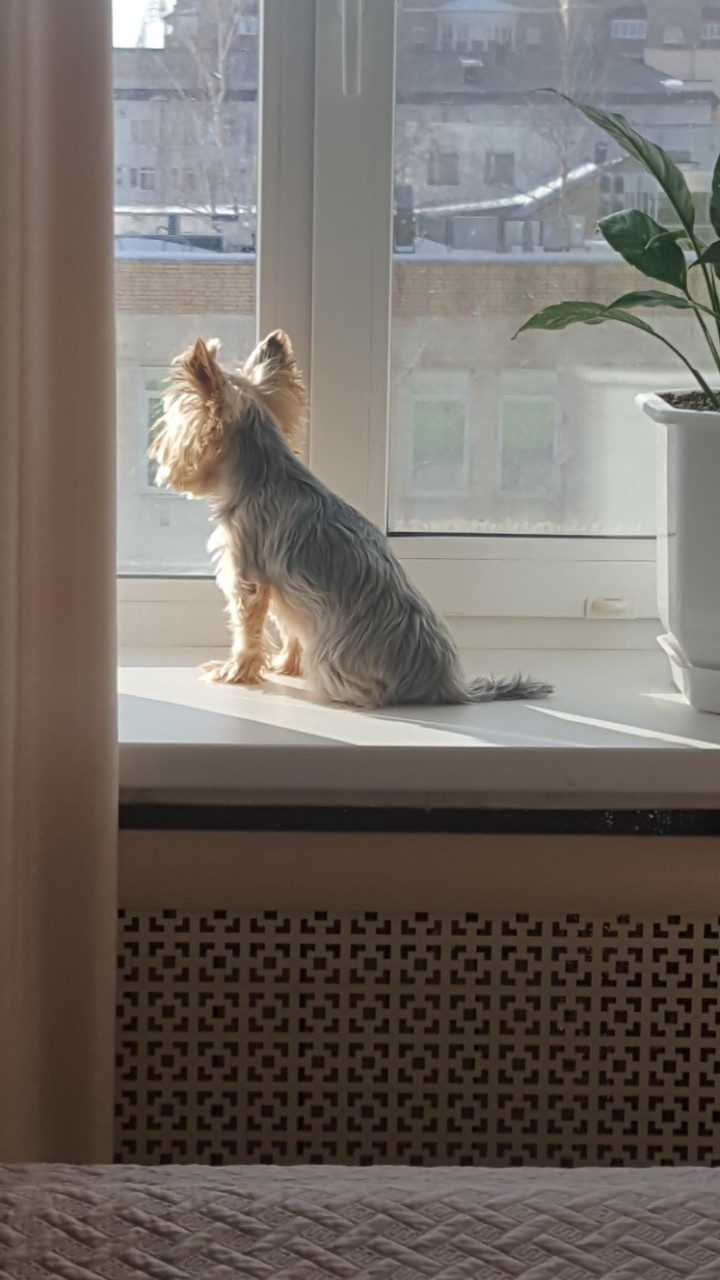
pixel 204 406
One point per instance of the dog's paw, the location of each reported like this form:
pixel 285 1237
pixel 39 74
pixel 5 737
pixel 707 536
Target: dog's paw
pixel 289 661
pixel 241 668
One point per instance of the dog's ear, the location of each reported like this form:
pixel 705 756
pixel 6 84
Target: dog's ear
pixel 275 348
pixel 200 364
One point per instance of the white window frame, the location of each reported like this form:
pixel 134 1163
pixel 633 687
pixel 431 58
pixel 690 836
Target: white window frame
pixel 332 291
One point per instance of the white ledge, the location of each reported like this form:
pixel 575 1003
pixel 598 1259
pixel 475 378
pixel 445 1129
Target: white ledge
pixel 615 733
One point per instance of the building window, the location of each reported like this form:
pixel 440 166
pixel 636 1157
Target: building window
pixel 500 168
pixel 189 180
pixel 439 464
pixel 147 179
pixel 710 25
pixel 247 26
pixel 527 466
pixel 418 38
pixel 673 35
pixel 443 169
pixel 628 28
pixel 446 36
pixel 462 39
pixel 151 410
pixel 472 69
pixel 118 175
pixel 133 177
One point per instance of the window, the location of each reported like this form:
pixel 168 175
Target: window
pixel 531 450
pixel 628 29
pixel 154 382
pixel 710 25
pixel 500 168
pixel 443 169
pixel 673 35
pixel 527 463
pixel 186 267
pixel 461 36
pixel 418 38
pixel 438 446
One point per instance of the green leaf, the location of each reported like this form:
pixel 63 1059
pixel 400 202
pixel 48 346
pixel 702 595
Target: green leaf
pixel 640 241
pixel 715 198
pixel 561 314
pixel 710 257
pixel 651 157
pixel 651 298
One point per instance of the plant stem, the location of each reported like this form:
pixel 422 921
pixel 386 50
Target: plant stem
pixel 698 308
pixel 710 285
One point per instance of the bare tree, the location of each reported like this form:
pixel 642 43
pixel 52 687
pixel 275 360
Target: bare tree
pixel 580 71
pixel 209 33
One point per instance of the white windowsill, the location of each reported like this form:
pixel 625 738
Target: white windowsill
pixel 616 733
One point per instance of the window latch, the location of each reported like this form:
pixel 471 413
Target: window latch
pixel 351 15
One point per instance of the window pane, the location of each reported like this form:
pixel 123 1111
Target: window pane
pixel 497 198
pixel 186 76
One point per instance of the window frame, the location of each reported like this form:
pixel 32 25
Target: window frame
pixel 307 269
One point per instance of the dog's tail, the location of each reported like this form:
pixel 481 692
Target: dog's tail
pixel 487 689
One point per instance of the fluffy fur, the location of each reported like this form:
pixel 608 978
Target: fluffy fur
pixel 285 545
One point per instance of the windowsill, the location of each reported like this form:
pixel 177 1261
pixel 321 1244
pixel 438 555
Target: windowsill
pixel 616 733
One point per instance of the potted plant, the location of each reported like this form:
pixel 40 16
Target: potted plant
pixel 688 559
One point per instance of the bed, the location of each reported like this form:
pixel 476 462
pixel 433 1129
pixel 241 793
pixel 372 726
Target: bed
pixel 304 1223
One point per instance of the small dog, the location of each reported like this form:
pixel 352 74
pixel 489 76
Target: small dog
pixel 351 621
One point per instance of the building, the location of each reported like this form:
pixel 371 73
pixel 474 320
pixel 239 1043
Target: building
pixel 185 152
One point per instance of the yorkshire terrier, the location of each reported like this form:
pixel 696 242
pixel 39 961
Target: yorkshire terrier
pixel 351 621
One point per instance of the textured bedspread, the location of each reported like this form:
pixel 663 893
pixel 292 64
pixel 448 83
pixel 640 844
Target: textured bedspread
pixel 307 1223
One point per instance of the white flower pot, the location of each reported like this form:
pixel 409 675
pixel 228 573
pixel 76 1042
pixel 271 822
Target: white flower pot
pixel 688 550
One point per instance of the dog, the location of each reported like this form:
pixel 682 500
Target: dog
pixel 351 621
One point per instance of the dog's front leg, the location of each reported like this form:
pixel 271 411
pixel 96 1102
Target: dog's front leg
pixel 248 657
pixel 289 660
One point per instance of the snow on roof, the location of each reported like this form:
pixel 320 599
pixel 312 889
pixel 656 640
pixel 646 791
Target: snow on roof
pixel 522 201
pixel 478 6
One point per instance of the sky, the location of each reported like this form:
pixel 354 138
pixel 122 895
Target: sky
pixel 127 20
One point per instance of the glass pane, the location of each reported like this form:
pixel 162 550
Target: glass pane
pixel 186 76
pixel 498 192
